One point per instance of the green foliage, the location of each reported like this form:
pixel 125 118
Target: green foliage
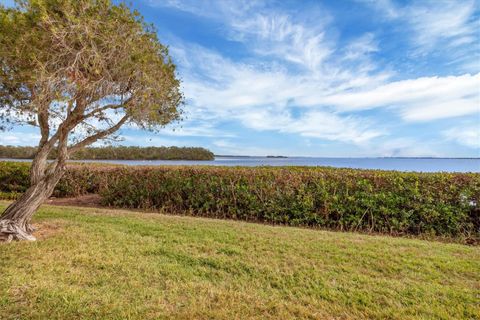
pixel 434 204
pixel 14 177
pixel 116 153
pixel 79 179
pixel 377 201
pixel 82 58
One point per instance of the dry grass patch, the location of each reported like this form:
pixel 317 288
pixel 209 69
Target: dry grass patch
pixel 47 229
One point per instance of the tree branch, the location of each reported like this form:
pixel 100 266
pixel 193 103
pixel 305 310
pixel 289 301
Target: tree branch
pixel 109 106
pixel 97 136
pixel 43 124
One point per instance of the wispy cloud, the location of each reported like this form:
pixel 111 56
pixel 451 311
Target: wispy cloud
pixel 450 23
pixel 305 72
pixel 467 135
pixel 320 99
pixel 421 99
pixel 434 24
pixel 262 99
pixel 361 47
pixel 278 36
pixel 196 129
pixel 387 7
pixel 241 86
pixel 315 124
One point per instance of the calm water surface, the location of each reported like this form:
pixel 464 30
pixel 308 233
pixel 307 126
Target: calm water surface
pixel 399 164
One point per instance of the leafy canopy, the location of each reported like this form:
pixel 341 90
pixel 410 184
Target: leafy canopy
pixel 85 68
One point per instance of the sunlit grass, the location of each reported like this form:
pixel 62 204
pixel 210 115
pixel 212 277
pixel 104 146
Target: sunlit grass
pixel 97 264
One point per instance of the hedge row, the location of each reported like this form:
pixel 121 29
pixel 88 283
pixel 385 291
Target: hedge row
pixel 80 179
pixel 439 204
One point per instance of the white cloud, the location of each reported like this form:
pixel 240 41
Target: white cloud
pixel 137 140
pixel 260 99
pixel 299 79
pixel 18 138
pixel 441 109
pixel 215 81
pixel 196 130
pixel 346 82
pixel 239 86
pixel 361 47
pixel 300 39
pixel 210 8
pixel 277 35
pixel 420 99
pixel 449 22
pixel 315 124
pixel 467 135
pixel 434 23
pixel 387 7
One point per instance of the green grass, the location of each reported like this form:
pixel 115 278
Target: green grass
pixel 115 264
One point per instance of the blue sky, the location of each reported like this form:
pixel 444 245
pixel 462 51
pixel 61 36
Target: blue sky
pixel 319 78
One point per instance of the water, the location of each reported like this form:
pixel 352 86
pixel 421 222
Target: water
pixel 399 164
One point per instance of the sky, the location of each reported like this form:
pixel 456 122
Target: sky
pixel 348 78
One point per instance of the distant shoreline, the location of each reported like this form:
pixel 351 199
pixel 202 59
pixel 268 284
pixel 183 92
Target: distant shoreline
pixel 320 157
pixel 255 157
pixel 397 164
pixel 116 153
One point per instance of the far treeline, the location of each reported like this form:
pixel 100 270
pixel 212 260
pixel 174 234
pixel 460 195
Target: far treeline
pixel 117 153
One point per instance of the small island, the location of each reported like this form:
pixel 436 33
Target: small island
pixel 117 153
pixel 277 157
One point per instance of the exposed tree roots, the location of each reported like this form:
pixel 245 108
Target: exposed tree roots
pixel 10 231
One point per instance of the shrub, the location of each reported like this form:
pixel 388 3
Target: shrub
pixel 14 177
pixel 441 204
pixel 78 180
pixel 438 204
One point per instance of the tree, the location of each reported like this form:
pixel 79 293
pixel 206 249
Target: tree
pixel 78 70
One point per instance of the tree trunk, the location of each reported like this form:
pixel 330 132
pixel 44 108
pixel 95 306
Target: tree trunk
pixel 15 221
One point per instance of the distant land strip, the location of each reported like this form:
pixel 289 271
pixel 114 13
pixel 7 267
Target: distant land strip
pixel 117 153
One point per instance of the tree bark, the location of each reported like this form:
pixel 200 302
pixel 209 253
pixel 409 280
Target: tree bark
pixel 15 221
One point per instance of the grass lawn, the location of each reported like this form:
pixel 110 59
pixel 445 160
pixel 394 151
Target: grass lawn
pixel 114 264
